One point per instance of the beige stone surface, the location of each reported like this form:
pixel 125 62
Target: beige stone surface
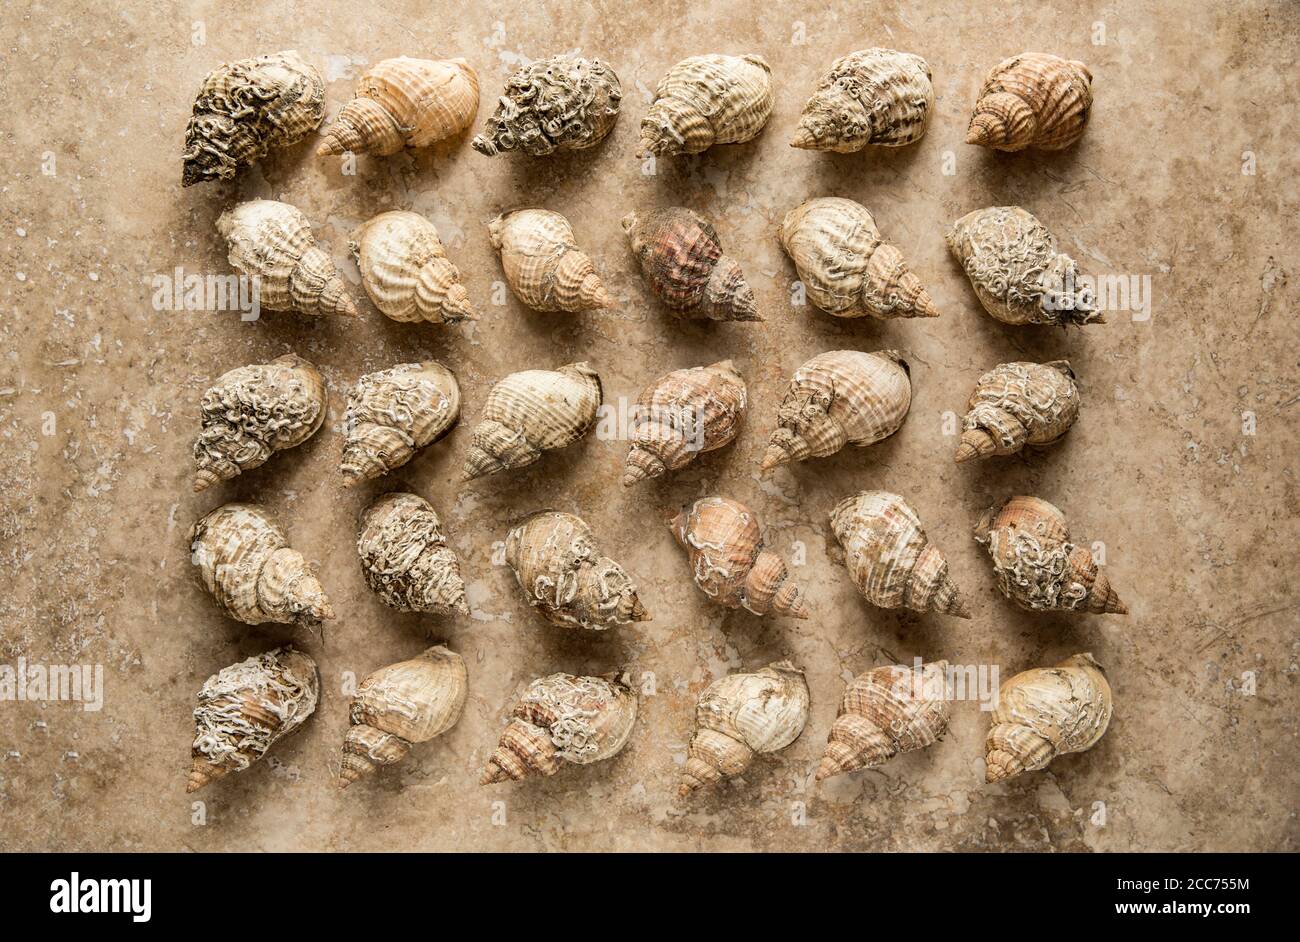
pixel 99 400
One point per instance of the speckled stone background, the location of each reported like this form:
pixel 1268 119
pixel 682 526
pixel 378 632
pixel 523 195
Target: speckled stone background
pixel 1197 510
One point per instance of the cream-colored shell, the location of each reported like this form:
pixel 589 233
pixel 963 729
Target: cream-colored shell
pixel 845 264
pixel 406 272
pixel 1019 404
pixel 707 100
pixel 844 397
pixel 874 96
pixel 543 264
pixel 1032 100
pixel 564 103
pixel 394 413
pixel 682 415
pixel 405 557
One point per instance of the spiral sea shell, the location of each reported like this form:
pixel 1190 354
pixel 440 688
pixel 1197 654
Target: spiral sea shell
pixel 680 416
pixel 394 413
pixel 562 103
pixel 405 270
pixel 873 96
pixel 543 264
pixel 682 260
pixel 1032 100
pixel 405 557
pixel 707 100
pixel 1018 404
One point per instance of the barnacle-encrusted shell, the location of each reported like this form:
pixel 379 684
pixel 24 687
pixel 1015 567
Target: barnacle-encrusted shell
pixel 886 711
pixel 1037 566
pixel 1018 404
pixel 682 415
pixel 682 260
pixel 563 575
pixel 1046 712
pixel 873 96
pixel 1032 100
pixel 556 104
pixel 707 100
pixel 399 705
pixel 247 564
pixel 563 718
pixel 843 397
pixel 741 715
pixel 531 412
pixel 252 412
pixel 724 545
pixel 543 264
pixel 246 108
pixel 402 103
pixel 406 272
pixel 1020 277
pixel 846 265
pixel 892 562
pixel 244 709
pixel 405 557
pixel 394 413
pixel 272 243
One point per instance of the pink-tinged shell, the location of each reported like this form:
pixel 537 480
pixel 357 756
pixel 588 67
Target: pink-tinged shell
pixel 1019 404
pixel 406 272
pixel 543 264
pixel 707 100
pixel 1032 100
pixel 394 413
pixel 405 557
pixel 682 260
pixel 875 97
pixel 682 415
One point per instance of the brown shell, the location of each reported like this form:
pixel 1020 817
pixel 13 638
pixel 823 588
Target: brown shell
pixel 543 264
pixel 562 103
pixel 680 416
pixel 707 100
pixel 405 557
pixel 876 97
pixel 406 272
pixel 681 257
pixel 393 414
pixel 1032 100
pixel 1019 404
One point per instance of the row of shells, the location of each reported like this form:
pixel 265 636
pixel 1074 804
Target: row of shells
pixel 871 97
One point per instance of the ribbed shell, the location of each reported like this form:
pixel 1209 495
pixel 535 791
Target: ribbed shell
pixel 563 575
pixel 843 397
pixel 873 96
pixel 558 104
pixel 1032 100
pixel 683 263
pixel 247 565
pixel 406 272
pixel 532 412
pixel 724 545
pixel 405 557
pixel 562 718
pixel 399 705
pixel 1047 712
pixel 543 264
pixel 1019 404
pixel 680 416
pixel 252 412
pixel 845 264
pixel 244 709
pixel 1037 566
pixel 1019 276
pixel 707 100
pixel 889 557
pixel 245 109
pixel 404 103
pixel 394 413
pixel 741 715
pixel 886 711
pixel 272 243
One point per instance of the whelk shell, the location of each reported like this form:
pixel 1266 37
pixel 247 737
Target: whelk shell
pixel 707 100
pixel 543 264
pixel 406 272
pixel 1018 404
pixel 394 413
pixel 563 103
pixel 872 96
pixel 682 260
pixel 405 557
pixel 680 416
pixel 1032 100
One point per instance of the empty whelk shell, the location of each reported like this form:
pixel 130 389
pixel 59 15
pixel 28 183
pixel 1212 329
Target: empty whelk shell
pixel 404 102
pixel 246 108
pixel 681 415
pixel 247 565
pixel 559 567
pixel 843 397
pixel 1046 712
pixel 1037 566
pixel 724 545
pixel 531 412
pixel 1019 276
pixel 543 264
pixel 1032 100
pixel 406 272
pixel 892 562
pixel 562 103
pixel 886 711
pixel 707 100
pixel 272 243
pixel 846 266
pixel 873 96
pixel 563 718
pixel 405 557
pixel 394 413
pixel 741 715
pixel 245 708
pixel 400 705
pixel 1018 404
pixel 682 260
pixel 252 412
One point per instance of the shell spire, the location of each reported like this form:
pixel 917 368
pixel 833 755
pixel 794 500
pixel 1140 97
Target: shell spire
pixel 1018 404
pixel 875 97
pixel 543 264
pixel 405 557
pixel 707 100
pixel 682 260
pixel 1032 100
pixel 394 413
pixel 406 272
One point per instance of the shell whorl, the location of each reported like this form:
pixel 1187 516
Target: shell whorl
pixel 543 264
pixel 406 272
pixel 707 100
pixel 1032 100
pixel 1018 404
